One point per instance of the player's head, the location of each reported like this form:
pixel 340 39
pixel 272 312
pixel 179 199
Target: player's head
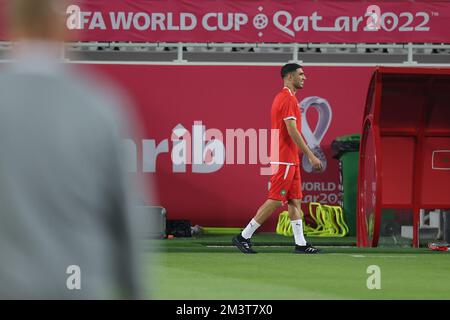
pixel 292 73
pixel 43 19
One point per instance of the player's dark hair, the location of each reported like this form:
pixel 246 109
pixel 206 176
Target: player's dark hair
pixel 288 68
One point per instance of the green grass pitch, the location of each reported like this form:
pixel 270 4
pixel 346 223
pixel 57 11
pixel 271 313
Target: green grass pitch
pixel 209 268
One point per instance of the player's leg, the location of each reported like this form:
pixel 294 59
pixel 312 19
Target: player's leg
pixel 264 212
pixel 242 240
pixel 296 221
pixel 279 183
pixel 301 246
pixel 294 209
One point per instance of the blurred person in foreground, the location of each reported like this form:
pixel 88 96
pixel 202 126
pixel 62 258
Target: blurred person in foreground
pixel 66 227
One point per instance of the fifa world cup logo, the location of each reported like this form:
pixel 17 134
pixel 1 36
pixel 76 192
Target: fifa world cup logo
pixel 313 139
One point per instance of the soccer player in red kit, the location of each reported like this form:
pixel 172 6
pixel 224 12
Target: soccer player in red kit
pixel 285 183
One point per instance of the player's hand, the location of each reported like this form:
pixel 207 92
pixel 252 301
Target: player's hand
pixel 315 162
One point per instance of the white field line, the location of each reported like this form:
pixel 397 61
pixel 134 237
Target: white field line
pixel 275 246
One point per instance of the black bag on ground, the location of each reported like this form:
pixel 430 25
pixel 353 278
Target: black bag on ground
pixel 179 228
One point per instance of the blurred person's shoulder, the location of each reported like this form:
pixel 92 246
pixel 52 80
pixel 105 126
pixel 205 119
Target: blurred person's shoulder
pixel 110 98
pixel 68 79
pixel 115 101
pixel 78 90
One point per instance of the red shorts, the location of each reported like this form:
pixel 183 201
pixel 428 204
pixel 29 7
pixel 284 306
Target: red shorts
pixel 285 182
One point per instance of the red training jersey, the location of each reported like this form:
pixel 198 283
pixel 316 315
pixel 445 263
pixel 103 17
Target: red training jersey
pixel 284 106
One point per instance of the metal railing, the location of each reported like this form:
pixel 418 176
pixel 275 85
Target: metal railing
pixel 409 50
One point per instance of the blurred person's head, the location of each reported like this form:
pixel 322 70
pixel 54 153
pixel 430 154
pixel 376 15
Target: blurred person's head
pixel 37 20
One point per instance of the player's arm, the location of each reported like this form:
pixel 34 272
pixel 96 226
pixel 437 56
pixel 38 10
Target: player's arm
pixel 291 127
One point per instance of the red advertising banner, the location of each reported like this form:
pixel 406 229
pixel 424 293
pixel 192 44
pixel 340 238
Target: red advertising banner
pixel 231 104
pixel 256 21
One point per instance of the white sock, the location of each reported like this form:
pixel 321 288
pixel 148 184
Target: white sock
pixel 250 229
pixel 297 227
